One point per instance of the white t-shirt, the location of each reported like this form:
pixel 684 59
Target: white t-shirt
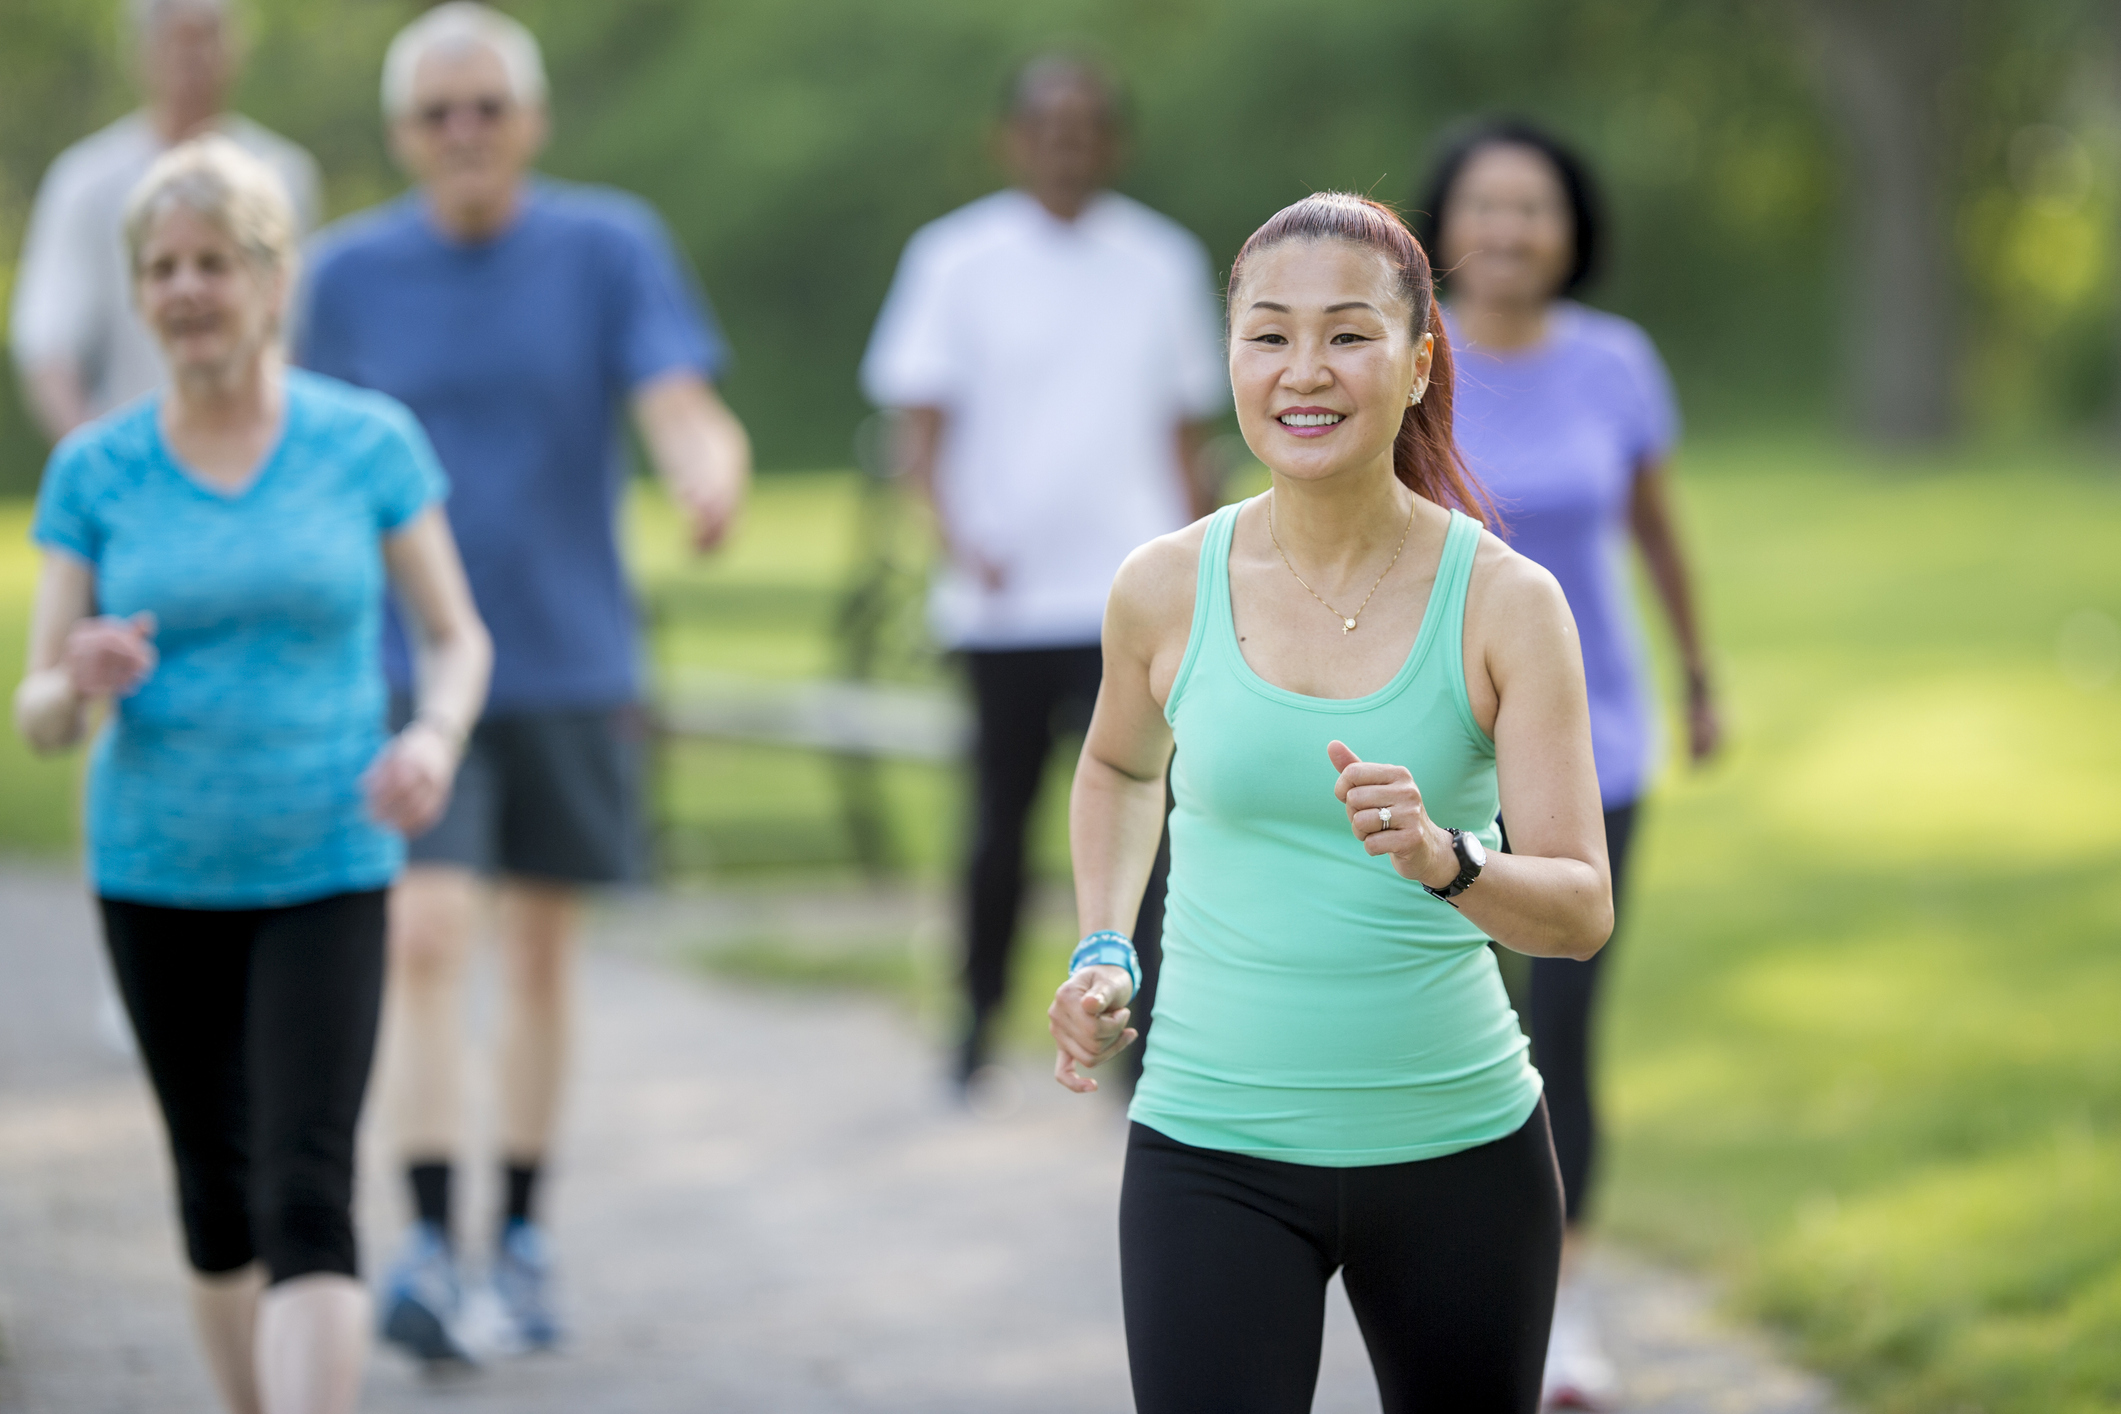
pixel 1064 355
pixel 73 285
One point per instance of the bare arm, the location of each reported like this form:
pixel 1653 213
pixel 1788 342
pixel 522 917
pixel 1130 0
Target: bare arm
pixel 74 656
pixel 409 782
pixel 55 394
pixel 50 712
pixel 1650 514
pixel 1553 896
pixel 920 444
pixel 452 654
pixel 1116 809
pixel 698 448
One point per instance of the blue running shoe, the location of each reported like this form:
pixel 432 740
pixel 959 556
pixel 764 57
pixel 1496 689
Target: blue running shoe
pixel 420 1299
pixel 522 1279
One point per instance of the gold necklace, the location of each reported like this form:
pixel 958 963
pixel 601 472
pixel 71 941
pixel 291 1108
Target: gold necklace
pixel 1347 621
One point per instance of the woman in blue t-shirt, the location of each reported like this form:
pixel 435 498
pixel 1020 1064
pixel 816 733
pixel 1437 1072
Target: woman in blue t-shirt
pixel 215 561
pixel 1566 415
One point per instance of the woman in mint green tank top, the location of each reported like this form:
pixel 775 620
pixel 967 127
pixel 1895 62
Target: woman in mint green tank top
pixel 1355 678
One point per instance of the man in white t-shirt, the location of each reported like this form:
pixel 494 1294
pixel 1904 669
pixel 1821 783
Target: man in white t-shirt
pixel 80 348
pixel 1055 351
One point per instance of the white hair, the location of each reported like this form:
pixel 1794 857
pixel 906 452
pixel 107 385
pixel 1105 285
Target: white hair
pixel 145 16
pixel 218 181
pixel 453 28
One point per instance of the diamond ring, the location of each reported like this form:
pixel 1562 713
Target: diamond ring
pixel 1384 818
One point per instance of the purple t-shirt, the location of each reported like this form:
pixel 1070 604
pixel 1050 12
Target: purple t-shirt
pixel 1558 433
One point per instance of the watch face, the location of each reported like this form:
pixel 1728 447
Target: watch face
pixel 1476 851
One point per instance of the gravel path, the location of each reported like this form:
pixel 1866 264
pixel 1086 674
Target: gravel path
pixel 764 1204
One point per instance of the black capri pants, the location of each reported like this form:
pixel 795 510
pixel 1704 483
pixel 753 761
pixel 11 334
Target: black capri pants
pixel 1449 1263
pixel 257 1026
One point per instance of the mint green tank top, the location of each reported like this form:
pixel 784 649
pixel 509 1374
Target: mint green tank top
pixel 1315 1007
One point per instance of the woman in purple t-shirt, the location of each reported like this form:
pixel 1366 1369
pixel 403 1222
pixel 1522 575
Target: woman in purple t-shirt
pixel 1566 415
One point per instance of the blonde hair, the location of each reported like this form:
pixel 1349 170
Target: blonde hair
pixel 457 26
pixel 215 179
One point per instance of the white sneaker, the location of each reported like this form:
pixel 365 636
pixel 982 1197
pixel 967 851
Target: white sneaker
pixel 1579 1375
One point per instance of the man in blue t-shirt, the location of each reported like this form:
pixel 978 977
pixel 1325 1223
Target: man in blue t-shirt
pixel 521 320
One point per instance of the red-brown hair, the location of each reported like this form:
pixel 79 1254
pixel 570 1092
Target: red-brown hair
pixel 1424 455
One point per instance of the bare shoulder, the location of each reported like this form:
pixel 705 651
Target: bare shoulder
pixel 1152 596
pixel 1511 598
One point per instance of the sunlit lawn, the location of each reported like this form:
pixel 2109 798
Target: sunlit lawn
pixel 1864 1045
pixel 36 797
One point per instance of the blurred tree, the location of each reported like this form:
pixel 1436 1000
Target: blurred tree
pixel 1883 65
pixel 795 146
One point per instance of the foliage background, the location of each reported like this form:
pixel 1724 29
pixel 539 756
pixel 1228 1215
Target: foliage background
pixel 794 146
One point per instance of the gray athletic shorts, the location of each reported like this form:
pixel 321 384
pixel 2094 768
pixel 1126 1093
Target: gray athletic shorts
pixel 552 794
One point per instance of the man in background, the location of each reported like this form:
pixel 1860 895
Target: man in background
pixel 79 347
pixel 1056 354
pixel 523 321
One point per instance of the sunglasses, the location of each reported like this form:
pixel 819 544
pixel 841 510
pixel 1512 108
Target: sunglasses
pixel 487 111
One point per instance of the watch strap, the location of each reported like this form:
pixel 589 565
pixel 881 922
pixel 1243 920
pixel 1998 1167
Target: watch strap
pixel 1468 871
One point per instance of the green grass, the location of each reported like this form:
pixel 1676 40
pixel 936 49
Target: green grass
pixel 1861 1049
pixel 38 798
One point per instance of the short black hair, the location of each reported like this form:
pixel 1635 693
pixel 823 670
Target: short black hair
pixel 1462 143
pixel 1042 70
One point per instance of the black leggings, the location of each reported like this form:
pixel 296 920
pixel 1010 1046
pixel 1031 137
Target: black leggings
pixel 257 1026
pixel 1026 700
pixel 1449 1263
pixel 1563 993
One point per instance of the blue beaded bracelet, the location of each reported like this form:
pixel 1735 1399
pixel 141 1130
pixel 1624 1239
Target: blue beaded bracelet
pixel 1110 948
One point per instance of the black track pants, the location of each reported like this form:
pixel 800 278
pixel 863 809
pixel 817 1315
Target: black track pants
pixel 257 1027
pixel 1449 1263
pixel 1026 700
pixel 1564 993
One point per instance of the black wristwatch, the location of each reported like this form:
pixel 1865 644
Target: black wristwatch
pixel 1472 858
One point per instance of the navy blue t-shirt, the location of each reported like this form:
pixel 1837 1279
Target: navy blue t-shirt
pixel 517 355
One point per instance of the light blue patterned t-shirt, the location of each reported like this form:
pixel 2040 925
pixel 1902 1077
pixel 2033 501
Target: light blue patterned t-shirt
pixel 231 778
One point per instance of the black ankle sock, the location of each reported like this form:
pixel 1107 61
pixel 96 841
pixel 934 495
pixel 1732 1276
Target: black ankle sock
pixel 521 1182
pixel 430 1193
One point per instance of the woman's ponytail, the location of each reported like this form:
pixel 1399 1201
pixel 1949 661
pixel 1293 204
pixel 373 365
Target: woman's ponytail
pixel 1425 455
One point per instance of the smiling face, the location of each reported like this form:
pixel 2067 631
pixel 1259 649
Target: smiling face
pixel 466 137
pixel 212 307
pixel 1323 358
pixel 1508 237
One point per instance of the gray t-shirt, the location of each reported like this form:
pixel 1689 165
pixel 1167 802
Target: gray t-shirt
pixel 73 288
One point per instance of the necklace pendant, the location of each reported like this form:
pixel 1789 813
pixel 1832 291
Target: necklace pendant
pixel 1347 626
